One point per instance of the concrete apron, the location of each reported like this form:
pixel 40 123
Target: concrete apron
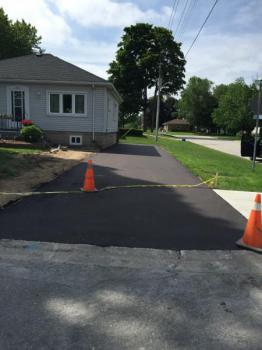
pixel 82 296
pixel 242 201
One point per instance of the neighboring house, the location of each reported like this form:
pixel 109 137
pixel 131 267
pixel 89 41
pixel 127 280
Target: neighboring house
pixel 176 125
pixel 71 105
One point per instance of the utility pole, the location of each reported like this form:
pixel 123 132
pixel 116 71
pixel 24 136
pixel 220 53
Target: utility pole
pixel 158 101
pixel 259 82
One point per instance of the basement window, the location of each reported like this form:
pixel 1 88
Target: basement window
pixel 75 140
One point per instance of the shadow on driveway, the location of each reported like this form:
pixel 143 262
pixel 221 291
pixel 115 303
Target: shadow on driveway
pixel 136 150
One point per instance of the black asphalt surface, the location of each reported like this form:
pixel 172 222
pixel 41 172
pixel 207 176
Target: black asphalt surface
pixel 185 218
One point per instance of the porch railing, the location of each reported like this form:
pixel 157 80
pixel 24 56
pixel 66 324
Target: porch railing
pixel 7 123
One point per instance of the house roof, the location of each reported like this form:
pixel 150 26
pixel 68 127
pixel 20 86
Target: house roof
pixel 177 122
pixel 45 67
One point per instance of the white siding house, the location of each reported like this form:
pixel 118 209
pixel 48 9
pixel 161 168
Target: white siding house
pixel 71 105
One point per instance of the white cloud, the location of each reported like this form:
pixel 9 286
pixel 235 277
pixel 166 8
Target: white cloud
pixel 93 56
pixel 108 13
pixel 53 28
pixel 223 58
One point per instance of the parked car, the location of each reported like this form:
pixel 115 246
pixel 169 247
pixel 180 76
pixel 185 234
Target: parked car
pixel 247 146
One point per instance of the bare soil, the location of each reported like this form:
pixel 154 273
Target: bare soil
pixel 42 168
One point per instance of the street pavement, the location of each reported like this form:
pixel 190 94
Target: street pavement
pixel 59 296
pixel 227 146
pixel 161 218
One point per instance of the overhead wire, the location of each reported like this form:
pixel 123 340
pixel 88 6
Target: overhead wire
pixel 181 17
pixel 172 12
pixel 187 19
pixel 201 28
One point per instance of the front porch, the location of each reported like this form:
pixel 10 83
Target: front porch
pixel 9 127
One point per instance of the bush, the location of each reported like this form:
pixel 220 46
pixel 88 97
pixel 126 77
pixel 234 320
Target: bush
pixel 31 133
pixel 132 132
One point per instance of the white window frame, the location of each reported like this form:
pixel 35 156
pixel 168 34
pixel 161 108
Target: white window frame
pixel 61 113
pixel 74 143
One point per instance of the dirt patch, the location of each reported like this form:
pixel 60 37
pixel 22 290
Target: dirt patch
pixel 43 168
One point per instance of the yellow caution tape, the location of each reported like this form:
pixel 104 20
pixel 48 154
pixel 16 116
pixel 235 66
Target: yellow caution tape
pixel 213 181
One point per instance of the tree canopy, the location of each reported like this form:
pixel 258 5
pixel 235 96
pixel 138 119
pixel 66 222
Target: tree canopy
pixel 17 38
pixel 136 66
pixel 233 111
pixel 197 102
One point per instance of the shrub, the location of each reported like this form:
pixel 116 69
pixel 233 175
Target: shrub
pixel 31 133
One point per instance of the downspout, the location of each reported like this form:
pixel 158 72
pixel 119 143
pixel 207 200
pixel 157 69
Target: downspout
pixel 93 114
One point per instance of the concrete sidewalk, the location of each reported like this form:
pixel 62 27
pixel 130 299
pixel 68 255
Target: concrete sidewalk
pixel 242 201
pixel 63 296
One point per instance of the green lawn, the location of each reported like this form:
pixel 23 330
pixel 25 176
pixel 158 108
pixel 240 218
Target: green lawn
pixel 234 172
pixel 14 161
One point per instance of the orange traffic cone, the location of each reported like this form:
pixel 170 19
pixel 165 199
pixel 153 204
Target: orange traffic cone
pixel 89 182
pixel 252 238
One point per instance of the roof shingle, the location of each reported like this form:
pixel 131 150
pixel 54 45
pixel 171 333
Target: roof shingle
pixel 44 68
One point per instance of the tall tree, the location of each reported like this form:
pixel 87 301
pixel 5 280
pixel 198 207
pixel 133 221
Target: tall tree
pixel 219 91
pixel 197 102
pixel 136 67
pixel 16 38
pixel 233 112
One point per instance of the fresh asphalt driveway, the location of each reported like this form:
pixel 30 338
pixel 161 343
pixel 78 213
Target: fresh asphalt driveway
pixel 162 218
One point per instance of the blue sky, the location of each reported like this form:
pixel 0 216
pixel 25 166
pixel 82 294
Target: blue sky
pixel 86 32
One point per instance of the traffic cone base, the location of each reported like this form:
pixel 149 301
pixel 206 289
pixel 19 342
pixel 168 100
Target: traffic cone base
pixel 241 244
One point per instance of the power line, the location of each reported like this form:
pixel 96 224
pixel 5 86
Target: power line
pixel 184 18
pixel 174 14
pixel 188 16
pixel 182 15
pixel 201 28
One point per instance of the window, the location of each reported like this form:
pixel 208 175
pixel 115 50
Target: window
pixel 75 140
pixel 54 103
pixel 80 104
pixel 67 104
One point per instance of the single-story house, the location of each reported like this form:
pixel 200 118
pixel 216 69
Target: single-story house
pixel 176 125
pixel 70 105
